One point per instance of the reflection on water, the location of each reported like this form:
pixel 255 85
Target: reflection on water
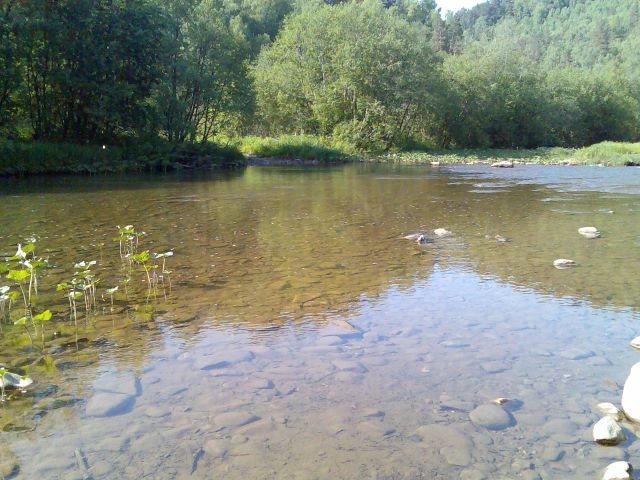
pixel 304 338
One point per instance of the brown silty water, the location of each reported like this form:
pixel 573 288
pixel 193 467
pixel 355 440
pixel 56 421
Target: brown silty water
pixel 304 338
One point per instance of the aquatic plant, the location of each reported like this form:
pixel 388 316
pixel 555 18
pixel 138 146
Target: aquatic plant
pixel 111 292
pixel 128 241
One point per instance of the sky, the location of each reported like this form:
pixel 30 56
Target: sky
pixel 455 5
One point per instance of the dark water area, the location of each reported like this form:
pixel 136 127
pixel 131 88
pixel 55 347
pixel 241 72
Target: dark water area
pixel 304 338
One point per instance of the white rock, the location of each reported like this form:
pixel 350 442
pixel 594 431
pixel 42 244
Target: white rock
pixel 635 343
pixel 589 232
pixel 442 232
pixel 563 263
pixel 631 394
pixel 503 164
pixel 607 432
pixel 617 471
pixel 11 380
pixel 609 409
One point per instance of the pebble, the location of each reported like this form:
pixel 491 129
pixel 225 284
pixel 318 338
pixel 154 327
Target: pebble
pixel 589 232
pixel 109 404
pixel 561 263
pixel 606 431
pixel 492 417
pixel 441 232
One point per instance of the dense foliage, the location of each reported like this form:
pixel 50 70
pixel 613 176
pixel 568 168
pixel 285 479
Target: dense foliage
pixel 375 74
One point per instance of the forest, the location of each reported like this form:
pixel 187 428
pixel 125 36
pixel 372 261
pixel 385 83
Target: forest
pixel 370 75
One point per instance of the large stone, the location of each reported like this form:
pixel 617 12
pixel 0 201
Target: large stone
pixel 617 471
pixel 109 404
pixel 607 432
pixel 502 164
pixel 492 417
pixel 631 394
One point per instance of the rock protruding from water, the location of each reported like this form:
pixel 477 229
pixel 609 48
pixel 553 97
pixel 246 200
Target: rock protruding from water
pixel 418 238
pixel 635 343
pixel 491 417
pixel 606 431
pixel 618 471
pixel 589 232
pixel 609 409
pixel 631 394
pixel 502 164
pixel 12 380
pixel 442 232
pixel 563 263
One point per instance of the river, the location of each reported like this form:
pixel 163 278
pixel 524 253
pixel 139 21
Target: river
pixel 303 338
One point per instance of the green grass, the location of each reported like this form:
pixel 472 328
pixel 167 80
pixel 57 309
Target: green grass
pixel 605 153
pixel 32 158
pixel 294 147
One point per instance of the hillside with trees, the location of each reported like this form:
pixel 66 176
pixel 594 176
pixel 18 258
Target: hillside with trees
pixel 371 74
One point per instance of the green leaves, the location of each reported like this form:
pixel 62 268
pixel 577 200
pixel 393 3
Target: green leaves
pixel 141 257
pixel 19 275
pixel 43 317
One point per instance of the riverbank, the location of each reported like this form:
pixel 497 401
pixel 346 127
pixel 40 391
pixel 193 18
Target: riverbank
pixel 310 150
pixel 36 158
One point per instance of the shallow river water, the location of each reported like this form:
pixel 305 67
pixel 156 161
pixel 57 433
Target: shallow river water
pixel 304 338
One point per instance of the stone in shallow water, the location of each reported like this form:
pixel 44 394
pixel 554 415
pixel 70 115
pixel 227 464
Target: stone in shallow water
pixel 118 383
pixel 453 445
pixel 606 431
pixel 617 471
pixel 223 359
pixel 109 404
pixel 563 263
pixel 635 343
pixel 349 366
pixel 576 353
pixel 234 419
pixel 610 409
pixel 631 394
pixel 589 232
pixel 11 380
pixel 492 417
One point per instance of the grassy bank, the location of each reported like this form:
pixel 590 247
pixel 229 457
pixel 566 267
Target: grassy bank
pixel 294 147
pixel 605 153
pixel 32 158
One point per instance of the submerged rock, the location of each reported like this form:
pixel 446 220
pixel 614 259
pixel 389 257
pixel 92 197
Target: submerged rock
pixel 501 239
pixel 589 232
pixel 492 417
pixel 452 444
pixel 610 410
pixel 563 263
pixel 607 432
pixel 234 419
pixel 631 394
pixel 109 404
pixel 618 471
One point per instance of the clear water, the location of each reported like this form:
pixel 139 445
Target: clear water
pixel 303 338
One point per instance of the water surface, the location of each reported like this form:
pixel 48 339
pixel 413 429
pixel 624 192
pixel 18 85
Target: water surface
pixel 303 338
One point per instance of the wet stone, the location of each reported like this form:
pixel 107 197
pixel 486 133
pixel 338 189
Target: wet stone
pixel 576 353
pixel 493 367
pixel 452 444
pixel 157 411
pixel 492 417
pixel 222 360
pixel 125 384
pixel 349 366
pixel 109 404
pixel 234 419
pixel 372 412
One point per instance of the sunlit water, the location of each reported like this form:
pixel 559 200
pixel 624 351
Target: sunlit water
pixel 303 338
